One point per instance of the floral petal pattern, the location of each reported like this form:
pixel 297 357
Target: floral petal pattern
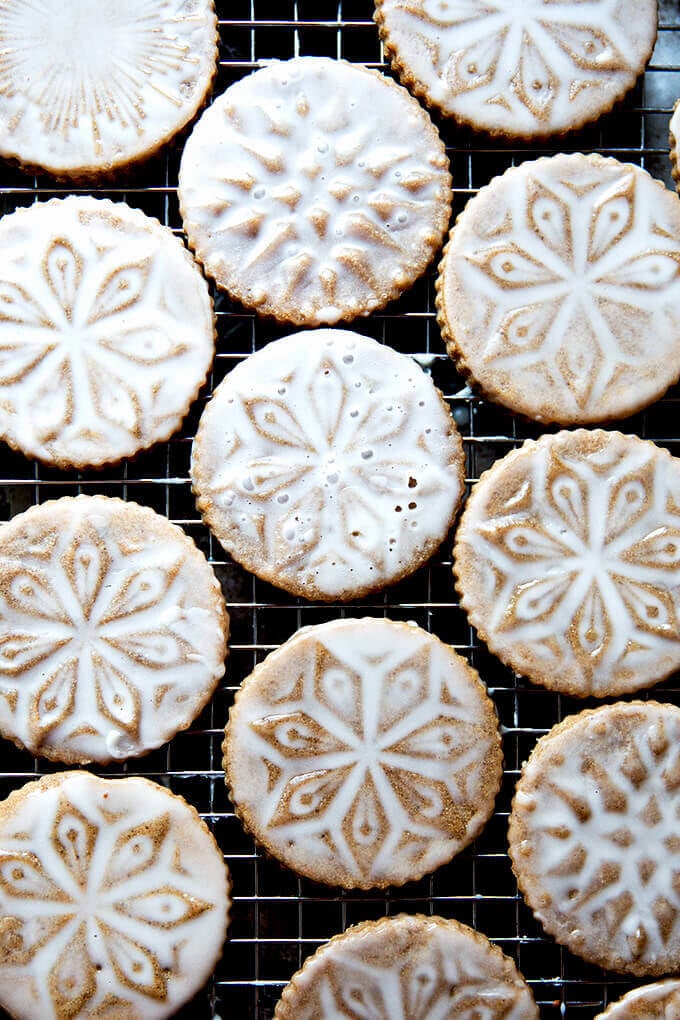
pixel 583 585
pixel 382 764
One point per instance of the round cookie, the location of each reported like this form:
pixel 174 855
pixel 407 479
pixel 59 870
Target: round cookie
pixel 88 87
pixel 114 899
pixel 112 630
pixel 408 968
pixel 363 753
pixel 525 70
pixel 315 190
pixel 674 137
pixel 659 1001
pixel 106 331
pixel 328 465
pixel 567 560
pixel 594 836
pixel 559 288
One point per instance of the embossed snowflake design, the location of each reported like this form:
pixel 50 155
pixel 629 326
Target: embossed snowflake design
pixel 576 277
pixel 584 552
pixel 300 207
pixel 97 358
pixel 604 836
pixel 526 69
pixel 104 907
pixel 95 649
pixel 377 764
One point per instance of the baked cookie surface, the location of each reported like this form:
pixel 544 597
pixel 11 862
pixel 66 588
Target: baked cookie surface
pixel 658 1001
pixel 106 331
pixel 408 968
pixel 91 86
pixel 567 559
pixel 112 630
pixel 524 70
pixel 328 464
pixel 559 289
pixel 315 190
pixel 594 835
pixel 363 753
pixel 114 900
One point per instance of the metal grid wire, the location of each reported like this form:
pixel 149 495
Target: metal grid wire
pixel 279 919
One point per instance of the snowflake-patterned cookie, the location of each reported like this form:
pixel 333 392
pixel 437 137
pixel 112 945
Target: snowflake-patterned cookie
pixel 519 69
pixel 658 1001
pixel 595 833
pixel 328 465
pixel 112 630
pixel 408 967
pixel 560 287
pixel 106 331
pixel 315 190
pixel 114 900
pixel 90 86
pixel 363 753
pixel 567 559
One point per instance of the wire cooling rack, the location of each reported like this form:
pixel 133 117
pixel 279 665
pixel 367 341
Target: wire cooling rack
pixel 279 919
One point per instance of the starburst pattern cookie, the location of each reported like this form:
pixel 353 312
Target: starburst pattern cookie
pixel 408 968
pixel 114 900
pixel 659 1001
pixel 328 465
pixel 363 753
pixel 112 630
pixel 594 836
pixel 106 331
pixel 559 289
pixel 315 190
pixel 567 560
pixel 91 86
pixel 525 70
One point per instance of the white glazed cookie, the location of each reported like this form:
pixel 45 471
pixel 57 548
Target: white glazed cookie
pixel 522 70
pixel 114 900
pixel 363 753
pixel 106 331
pixel 328 465
pixel 674 140
pixel 408 968
pixel 659 1001
pixel 559 290
pixel 594 836
pixel 567 560
pixel 315 190
pixel 112 629
pixel 90 86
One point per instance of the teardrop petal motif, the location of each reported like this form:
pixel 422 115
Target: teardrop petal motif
pixel 120 290
pixel 297 735
pixel 659 550
pixel 328 394
pixel 53 701
pixel 136 850
pixel 141 590
pixel 366 825
pixel 18 305
pixel 156 649
pixel 72 981
pixel 144 346
pixel 85 563
pixel 166 907
pixel 23 877
pixel 117 699
pixel 309 795
pixel 613 217
pixel 274 420
pixel 136 966
pixel 30 593
pixel 74 836
pixel 63 268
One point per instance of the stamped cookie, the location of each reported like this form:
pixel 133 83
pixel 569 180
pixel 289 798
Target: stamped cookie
pixel 674 140
pixel 567 560
pixel 363 753
pixel 90 86
pixel 521 70
pixel 114 900
pixel 106 331
pixel 559 290
pixel 594 836
pixel 408 967
pixel 315 190
pixel 112 630
pixel 328 465
pixel 660 1001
